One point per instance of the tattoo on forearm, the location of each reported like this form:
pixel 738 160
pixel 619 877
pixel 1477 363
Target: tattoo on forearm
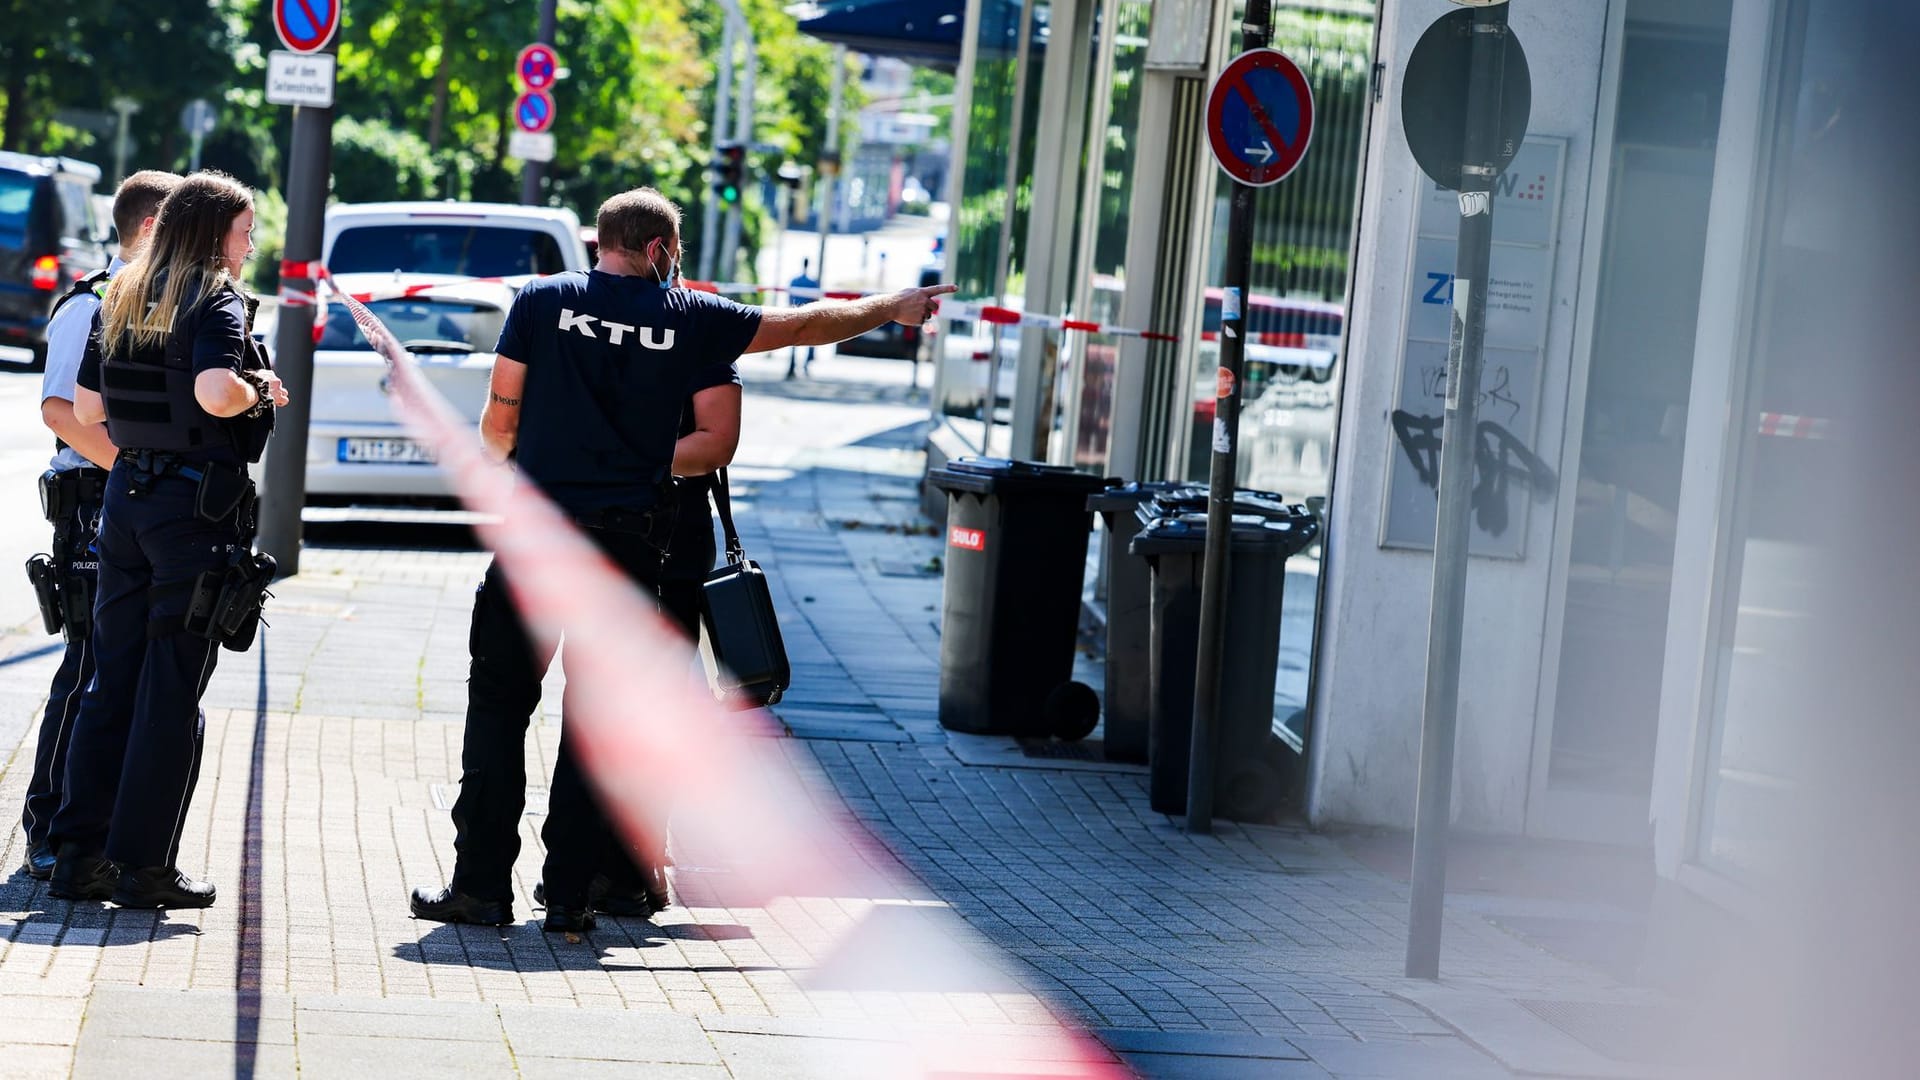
pixel 508 401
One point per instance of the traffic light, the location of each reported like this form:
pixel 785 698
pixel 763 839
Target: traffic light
pixel 729 172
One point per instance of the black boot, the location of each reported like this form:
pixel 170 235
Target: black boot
pixel 79 876
pixel 162 887
pixel 448 906
pixel 562 920
pixel 39 864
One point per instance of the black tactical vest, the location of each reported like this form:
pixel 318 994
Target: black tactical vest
pixel 150 403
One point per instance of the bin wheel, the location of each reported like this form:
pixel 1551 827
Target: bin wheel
pixel 1252 793
pixel 1072 711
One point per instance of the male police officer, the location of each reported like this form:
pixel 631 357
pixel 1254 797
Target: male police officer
pixel 589 381
pixel 70 494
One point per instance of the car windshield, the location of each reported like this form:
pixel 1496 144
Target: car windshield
pixel 418 319
pixel 16 204
pixel 468 250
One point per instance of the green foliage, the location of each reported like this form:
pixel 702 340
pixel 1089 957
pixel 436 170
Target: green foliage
pixel 269 240
pixel 373 161
pixel 422 107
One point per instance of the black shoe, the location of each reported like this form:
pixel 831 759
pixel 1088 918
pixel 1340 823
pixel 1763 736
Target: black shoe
pixel 162 887
pixel 83 877
pixel 601 897
pixel 448 906
pixel 39 864
pixel 568 921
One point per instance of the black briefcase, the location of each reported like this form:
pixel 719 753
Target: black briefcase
pixel 746 658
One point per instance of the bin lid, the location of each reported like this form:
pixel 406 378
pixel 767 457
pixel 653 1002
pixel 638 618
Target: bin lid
pixel 1130 495
pixel 1192 499
pixel 1187 533
pixel 987 476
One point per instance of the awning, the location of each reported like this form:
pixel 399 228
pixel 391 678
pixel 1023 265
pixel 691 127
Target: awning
pixel 920 31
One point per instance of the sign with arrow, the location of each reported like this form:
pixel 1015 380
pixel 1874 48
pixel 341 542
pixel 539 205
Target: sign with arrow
pixel 1260 117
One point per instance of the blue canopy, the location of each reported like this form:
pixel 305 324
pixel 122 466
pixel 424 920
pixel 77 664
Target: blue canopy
pixel 920 31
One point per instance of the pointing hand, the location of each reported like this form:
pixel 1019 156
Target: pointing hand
pixel 914 307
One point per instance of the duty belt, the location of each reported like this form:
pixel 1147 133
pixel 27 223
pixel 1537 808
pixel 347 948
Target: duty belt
pixel 157 463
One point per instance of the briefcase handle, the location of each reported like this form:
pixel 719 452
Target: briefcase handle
pixel 736 551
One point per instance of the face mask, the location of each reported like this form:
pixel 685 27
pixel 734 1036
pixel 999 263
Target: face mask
pixel 673 271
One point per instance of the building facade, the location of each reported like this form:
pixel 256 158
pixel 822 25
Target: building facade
pixel 1630 589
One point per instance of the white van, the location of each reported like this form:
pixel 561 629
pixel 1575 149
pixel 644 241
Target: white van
pixel 486 240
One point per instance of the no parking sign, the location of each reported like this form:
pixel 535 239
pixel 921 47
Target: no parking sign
pixel 306 25
pixel 1260 117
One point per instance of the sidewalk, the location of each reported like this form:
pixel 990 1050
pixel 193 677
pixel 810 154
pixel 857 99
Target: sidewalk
pixel 333 755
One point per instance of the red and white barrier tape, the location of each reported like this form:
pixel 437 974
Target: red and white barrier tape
pixel 966 309
pixel 648 738
pixel 1789 426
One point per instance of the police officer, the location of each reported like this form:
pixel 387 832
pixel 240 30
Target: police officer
pixel 590 377
pixel 188 398
pixel 70 494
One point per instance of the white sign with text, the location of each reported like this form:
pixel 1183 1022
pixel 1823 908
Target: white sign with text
pixel 300 79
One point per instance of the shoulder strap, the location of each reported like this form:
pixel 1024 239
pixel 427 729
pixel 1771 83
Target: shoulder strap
pixel 81 287
pixel 736 552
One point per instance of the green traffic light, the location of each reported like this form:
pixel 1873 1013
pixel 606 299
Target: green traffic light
pixel 730 194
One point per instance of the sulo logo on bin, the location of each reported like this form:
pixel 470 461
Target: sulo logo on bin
pixel 971 539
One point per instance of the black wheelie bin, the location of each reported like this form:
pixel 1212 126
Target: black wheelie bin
pixel 1248 787
pixel 1015 560
pixel 1129 614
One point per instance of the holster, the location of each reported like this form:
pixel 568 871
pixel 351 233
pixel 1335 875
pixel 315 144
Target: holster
pixel 64 491
pixel 226 603
pixel 225 491
pixel 44 574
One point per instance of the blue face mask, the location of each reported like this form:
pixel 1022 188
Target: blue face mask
pixel 673 272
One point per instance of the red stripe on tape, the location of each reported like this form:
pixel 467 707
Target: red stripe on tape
pixel 1000 316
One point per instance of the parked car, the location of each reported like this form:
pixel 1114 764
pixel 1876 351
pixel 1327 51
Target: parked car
pixel 50 237
pixel 892 339
pixel 355 446
pixel 491 240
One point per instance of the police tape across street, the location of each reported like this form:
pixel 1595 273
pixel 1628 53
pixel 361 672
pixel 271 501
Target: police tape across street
pixel 992 314
pixel 680 749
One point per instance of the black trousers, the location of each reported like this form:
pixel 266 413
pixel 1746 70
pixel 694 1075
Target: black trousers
pixel 135 755
pixel 689 557
pixel 79 566
pixel 503 687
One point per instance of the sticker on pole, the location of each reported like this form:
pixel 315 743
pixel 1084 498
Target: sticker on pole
pixel 537 67
pixel 1260 117
pixel 533 111
pixel 967 539
pixel 306 25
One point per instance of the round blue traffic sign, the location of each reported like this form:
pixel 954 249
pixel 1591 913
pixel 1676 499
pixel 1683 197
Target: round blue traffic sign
pixel 537 67
pixel 306 25
pixel 1260 117
pixel 533 111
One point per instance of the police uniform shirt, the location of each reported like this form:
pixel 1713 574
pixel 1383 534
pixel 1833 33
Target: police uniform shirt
pixel 611 361
pixel 218 331
pixel 66 346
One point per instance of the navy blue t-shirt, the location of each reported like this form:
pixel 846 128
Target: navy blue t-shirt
pixel 611 361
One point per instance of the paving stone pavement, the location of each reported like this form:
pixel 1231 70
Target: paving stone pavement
pixel 332 754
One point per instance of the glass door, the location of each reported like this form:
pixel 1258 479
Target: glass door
pixel 1594 779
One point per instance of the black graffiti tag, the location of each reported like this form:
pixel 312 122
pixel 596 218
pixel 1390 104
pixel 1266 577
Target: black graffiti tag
pixel 1500 460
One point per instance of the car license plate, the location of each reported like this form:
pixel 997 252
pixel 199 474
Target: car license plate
pixel 386 452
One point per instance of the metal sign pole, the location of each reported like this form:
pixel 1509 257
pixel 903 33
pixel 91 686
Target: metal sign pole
pixel 1480 165
pixel 532 172
pixel 1216 575
pixel 309 176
